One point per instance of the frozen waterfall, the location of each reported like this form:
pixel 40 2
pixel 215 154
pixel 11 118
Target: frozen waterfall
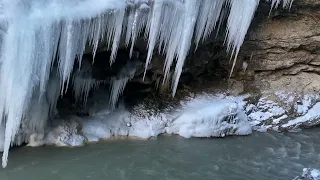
pixel 41 39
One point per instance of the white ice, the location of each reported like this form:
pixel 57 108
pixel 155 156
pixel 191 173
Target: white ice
pixel 209 117
pixel 240 17
pixel 66 133
pixel 83 82
pixel 264 110
pixel 119 82
pixel 280 109
pixel 312 115
pixel 2 129
pixel 203 116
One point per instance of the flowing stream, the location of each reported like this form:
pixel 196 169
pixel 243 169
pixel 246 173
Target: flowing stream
pixel 260 156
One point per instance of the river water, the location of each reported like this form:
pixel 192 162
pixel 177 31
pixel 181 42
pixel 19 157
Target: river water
pixel 260 156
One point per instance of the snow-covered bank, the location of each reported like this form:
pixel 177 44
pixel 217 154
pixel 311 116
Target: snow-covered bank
pixel 201 116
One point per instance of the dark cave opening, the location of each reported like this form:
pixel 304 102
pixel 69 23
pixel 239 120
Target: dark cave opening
pixel 202 67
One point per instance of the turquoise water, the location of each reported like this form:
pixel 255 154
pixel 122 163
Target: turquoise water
pixel 261 156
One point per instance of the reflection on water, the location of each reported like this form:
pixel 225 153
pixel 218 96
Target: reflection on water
pixel 261 156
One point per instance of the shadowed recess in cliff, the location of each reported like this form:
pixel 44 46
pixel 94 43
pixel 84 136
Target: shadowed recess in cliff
pixel 38 34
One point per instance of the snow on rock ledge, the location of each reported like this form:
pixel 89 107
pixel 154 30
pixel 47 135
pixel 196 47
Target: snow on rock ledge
pixel 283 111
pixel 203 116
pixel 209 117
pixel 66 133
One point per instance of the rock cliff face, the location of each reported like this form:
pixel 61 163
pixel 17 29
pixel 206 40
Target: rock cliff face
pixel 283 50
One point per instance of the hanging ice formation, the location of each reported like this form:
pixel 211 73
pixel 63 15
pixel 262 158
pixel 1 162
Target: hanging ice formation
pixel 37 34
pixel 83 82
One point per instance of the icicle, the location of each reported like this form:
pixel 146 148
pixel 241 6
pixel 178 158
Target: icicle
pixel 222 18
pixel 240 17
pixel 285 3
pixel 47 45
pixel 129 26
pixel 96 34
pixel 139 22
pixel 192 8
pixel 207 19
pixel 17 78
pixel 213 17
pixel 53 91
pixel 97 30
pixel 170 15
pixel 117 87
pixel 153 30
pixel 119 82
pixel 37 115
pixel 85 34
pixel 110 29
pixel 82 87
pixel 66 53
pixel 83 82
pixel 173 38
pixel 117 34
pixel 135 30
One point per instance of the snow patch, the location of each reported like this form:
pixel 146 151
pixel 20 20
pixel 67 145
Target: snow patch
pixel 66 133
pixel 205 117
pixel 264 110
pixel 312 115
pixel 306 103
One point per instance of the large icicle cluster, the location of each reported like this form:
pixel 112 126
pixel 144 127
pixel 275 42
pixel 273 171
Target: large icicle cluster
pixel 37 35
pixel 83 82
